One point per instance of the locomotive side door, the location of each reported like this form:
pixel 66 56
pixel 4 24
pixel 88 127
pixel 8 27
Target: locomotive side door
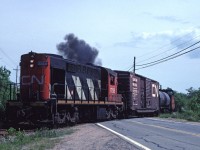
pixel 58 82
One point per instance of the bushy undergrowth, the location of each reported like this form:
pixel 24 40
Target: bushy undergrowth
pixel 187 115
pixel 41 139
pixel 187 106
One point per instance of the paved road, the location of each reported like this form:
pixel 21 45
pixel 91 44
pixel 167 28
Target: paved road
pixel 159 134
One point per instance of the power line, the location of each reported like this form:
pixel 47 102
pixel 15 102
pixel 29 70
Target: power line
pixel 130 68
pixel 170 55
pixel 8 57
pixel 168 50
pixel 166 45
pixel 169 58
pixel 6 63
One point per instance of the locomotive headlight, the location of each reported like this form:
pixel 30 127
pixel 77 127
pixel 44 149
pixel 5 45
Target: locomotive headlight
pixel 31 63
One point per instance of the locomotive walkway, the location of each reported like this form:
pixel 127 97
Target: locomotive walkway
pixel 157 134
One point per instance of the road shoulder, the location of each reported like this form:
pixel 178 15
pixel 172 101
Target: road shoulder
pixel 90 137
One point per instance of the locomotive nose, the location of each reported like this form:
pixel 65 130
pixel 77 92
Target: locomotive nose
pixel 35 80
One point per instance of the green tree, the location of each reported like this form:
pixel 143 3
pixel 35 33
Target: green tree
pixel 4 87
pixel 194 100
pixel 187 105
pixel 180 101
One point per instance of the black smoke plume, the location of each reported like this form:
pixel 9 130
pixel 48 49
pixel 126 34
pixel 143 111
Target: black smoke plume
pixel 78 50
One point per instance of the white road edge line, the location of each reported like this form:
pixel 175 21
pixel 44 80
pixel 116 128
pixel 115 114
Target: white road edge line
pixel 124 137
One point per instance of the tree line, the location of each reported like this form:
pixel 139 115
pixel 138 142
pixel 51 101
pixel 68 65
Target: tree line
pixel 187 105
pixel 4 87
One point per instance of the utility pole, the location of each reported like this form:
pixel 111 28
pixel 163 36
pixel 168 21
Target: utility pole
pixel 134 65
pixel 16 89
pixel 16 74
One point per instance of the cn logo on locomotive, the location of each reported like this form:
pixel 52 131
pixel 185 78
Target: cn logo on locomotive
pixel 28 80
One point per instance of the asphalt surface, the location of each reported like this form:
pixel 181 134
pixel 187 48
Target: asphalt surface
pixel 159 134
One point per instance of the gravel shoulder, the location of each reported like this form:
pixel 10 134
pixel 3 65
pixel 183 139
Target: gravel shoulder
pixel 92 137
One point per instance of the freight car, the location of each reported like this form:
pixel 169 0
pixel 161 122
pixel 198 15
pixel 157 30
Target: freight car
pixel 141 94
pixel 55 90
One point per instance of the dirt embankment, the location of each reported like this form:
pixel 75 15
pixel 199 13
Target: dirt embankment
pixel 92 137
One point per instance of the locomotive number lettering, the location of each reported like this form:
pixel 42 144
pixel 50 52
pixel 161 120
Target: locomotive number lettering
pixel 42 63
pixel 28 80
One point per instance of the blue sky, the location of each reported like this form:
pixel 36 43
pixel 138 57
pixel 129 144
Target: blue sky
pixel 119 29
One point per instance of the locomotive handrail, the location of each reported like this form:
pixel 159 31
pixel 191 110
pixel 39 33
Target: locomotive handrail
pixel 13 90
pixel 37 94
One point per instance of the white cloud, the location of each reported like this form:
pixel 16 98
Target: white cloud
pixel 165 40
pixel 171 19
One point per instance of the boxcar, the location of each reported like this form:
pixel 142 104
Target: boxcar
pixel 140 94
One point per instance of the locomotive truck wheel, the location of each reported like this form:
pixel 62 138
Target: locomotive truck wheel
pixel 108 114
pixel 53 123
pixel 74 117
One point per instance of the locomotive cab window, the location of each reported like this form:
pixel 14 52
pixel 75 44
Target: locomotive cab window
pixel 112 80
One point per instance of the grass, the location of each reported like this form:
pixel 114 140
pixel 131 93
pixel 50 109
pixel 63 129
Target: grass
pixel 40 140
pixel 185 115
